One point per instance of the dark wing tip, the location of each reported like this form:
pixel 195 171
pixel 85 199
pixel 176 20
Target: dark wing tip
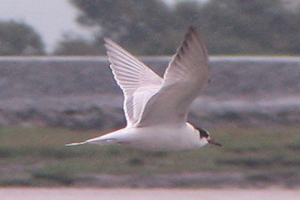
pixel 193 33
pixel 192 29
pixel 185 43
pixel 191 36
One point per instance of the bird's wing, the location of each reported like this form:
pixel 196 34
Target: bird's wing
pixel 137 81
pixel 186 75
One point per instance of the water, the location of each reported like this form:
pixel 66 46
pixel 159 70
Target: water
pixel 146 194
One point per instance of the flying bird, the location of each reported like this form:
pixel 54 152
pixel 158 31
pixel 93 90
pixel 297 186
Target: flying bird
pixel 156 108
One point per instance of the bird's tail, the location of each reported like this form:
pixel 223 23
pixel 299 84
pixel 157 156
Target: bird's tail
pixel 98 140
pixel 76 144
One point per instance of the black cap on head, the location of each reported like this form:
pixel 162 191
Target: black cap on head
pixel 203 133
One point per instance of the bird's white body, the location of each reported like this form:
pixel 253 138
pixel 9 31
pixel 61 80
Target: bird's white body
pixel 159 138
pixel 156 108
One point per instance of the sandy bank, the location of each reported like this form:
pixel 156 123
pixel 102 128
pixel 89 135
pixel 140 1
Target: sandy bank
pixel 146 194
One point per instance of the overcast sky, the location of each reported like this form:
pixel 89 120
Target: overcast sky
pixel 49 18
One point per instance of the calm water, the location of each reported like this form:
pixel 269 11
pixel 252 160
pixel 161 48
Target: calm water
pixel 146 194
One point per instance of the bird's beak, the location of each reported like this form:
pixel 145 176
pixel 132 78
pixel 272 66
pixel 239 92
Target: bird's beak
pixel 210 141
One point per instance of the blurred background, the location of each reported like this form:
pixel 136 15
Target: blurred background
pixel 56 88
pixel 77 27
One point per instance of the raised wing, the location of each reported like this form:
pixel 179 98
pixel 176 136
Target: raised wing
pixel 138 82
pixel 186 75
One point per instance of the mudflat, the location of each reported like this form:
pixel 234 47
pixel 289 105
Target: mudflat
pixel 146 194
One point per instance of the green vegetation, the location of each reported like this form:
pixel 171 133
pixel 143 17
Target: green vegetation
pixel 231 27
pixel 37 156
pixel 18 38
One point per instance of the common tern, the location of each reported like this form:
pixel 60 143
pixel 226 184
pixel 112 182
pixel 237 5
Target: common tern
pixel 156 108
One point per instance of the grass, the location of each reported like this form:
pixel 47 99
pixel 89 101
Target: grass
pixel 33 156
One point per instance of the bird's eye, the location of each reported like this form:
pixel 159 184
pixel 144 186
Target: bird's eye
pixel 203 133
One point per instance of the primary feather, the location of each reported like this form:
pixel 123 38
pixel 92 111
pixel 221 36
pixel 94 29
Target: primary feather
pixel 138 82
pixel 149 99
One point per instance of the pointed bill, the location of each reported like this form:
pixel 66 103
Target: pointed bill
pixel 210 141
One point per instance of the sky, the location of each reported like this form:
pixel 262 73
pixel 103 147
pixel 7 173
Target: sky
pixel 49 18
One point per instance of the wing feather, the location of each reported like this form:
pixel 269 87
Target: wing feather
pixel 186 75
pixel 137 81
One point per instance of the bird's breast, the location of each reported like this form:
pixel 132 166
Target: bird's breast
pixel 163 138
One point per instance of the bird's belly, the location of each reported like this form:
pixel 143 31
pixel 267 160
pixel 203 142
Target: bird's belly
pixel 160 139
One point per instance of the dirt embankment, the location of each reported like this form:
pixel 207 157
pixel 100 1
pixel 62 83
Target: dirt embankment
pixel 80 92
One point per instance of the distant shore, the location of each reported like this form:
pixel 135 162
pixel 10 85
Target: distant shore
pixel 79 92
pixel 146 194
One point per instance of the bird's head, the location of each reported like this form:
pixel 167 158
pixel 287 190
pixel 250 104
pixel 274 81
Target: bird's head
pixel 204 135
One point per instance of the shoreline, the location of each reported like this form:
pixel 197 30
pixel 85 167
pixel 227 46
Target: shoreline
pixel 274 193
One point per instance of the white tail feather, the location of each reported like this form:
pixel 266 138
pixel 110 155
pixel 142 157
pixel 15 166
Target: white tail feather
pixel 76 144
pixel 92 141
